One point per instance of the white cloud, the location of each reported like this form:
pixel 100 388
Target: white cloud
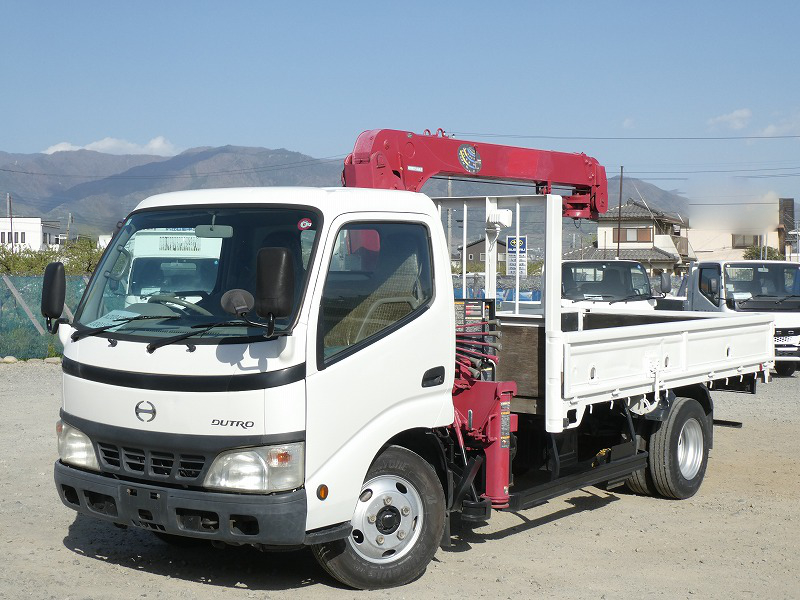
pixel 786 126
pixel 738 119
pixel 159 146
pixel 628 123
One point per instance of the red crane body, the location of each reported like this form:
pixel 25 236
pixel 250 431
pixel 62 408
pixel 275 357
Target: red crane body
pixel 392 159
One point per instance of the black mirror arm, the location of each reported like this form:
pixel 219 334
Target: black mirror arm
pixel 270 325
pixel 52 324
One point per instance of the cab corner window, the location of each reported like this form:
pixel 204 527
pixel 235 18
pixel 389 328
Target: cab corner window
pixel 380 273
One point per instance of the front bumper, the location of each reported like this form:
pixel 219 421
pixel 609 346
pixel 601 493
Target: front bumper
pixel 277 519
pixel 785 352
pixel 787 344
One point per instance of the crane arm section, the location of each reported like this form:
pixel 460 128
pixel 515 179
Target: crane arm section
pixel 392 159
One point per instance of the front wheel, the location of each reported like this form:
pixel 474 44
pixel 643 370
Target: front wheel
pixel 785 368
pixel 397 525
pixel 679 450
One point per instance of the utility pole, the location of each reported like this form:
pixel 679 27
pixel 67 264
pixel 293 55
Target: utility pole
pixel 10 220
pixel 69 221
pixel 619 210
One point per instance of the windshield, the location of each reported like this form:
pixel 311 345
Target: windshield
pixel 604 280
pixel 761 280
pixel 173 266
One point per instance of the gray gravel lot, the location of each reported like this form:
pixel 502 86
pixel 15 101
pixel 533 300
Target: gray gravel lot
pixel 739 537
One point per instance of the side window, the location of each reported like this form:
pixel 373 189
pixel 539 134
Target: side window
pixel 379 274
pixel 709 283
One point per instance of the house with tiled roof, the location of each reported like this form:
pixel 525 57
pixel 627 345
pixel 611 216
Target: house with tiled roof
pixel 655 238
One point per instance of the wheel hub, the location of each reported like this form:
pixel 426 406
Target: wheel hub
pixel 388 519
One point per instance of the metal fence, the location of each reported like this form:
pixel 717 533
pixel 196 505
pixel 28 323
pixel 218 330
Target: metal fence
pixel 22 326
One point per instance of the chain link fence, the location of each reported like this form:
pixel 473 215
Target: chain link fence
pixel 23 333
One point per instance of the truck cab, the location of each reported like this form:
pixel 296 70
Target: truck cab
pixel 609 283
pixel 184 419
pixel 766 286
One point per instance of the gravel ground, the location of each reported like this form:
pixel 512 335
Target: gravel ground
pixel 737 538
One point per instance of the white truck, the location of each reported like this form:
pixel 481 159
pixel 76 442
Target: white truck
pixel 613 282
pixel 329 390
pixel 747 286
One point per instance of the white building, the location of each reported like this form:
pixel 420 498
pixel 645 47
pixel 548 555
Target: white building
pixel 725 232
pixel 28 232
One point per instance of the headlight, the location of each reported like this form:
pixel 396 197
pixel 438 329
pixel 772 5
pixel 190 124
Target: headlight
pixel 75 447
pixel 264 469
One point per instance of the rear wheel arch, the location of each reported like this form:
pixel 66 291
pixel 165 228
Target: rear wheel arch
pixel 700 393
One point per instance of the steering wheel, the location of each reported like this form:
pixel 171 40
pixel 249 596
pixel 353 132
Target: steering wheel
pixel 163 299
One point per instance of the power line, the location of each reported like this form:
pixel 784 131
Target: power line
pixel 718 171
pixel 621 138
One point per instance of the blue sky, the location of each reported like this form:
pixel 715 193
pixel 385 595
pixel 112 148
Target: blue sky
pixel 309 76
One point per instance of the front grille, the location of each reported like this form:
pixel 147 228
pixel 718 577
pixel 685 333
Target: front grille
pixel 151 464
pixel 779 339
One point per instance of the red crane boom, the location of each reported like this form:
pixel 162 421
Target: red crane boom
pixel 391 159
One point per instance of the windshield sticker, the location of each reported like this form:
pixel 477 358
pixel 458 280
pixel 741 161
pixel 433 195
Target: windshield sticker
pixel 178 244
pixel 110 318
pixel 304 224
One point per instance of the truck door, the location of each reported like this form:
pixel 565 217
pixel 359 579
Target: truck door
pixel 707 296
pixel 384 350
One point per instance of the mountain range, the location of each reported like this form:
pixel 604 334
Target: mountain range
pixel 99 189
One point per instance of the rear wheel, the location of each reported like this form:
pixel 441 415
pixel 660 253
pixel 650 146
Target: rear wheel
pixel 679 450
pixel 641 481
pixel 397 525
pixel 785 368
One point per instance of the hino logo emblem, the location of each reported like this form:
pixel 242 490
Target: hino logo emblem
pixel 145 411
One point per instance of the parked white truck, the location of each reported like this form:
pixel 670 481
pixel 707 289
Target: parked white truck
pixel 612 282
pixel 746 286
pixel 330 391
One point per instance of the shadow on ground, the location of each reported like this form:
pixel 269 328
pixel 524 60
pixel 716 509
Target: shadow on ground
pixel 464 536
pixel 242 567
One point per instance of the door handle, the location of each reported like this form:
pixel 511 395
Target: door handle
pixel 433 377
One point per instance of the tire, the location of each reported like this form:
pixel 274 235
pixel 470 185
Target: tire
pixel 785 368
pixel 404 495
pixel 679 450
pixel 641 482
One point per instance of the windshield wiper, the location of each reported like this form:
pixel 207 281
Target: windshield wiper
pixel 634 297
pixel 752 297
pixel 205 328
pixel 117 322
pixel 594 298
pixel 786 298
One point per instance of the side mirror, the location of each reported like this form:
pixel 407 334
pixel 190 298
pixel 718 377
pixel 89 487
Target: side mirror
pixel 713 283
pixel 54 289
pixel 665 283
pixel 274 283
